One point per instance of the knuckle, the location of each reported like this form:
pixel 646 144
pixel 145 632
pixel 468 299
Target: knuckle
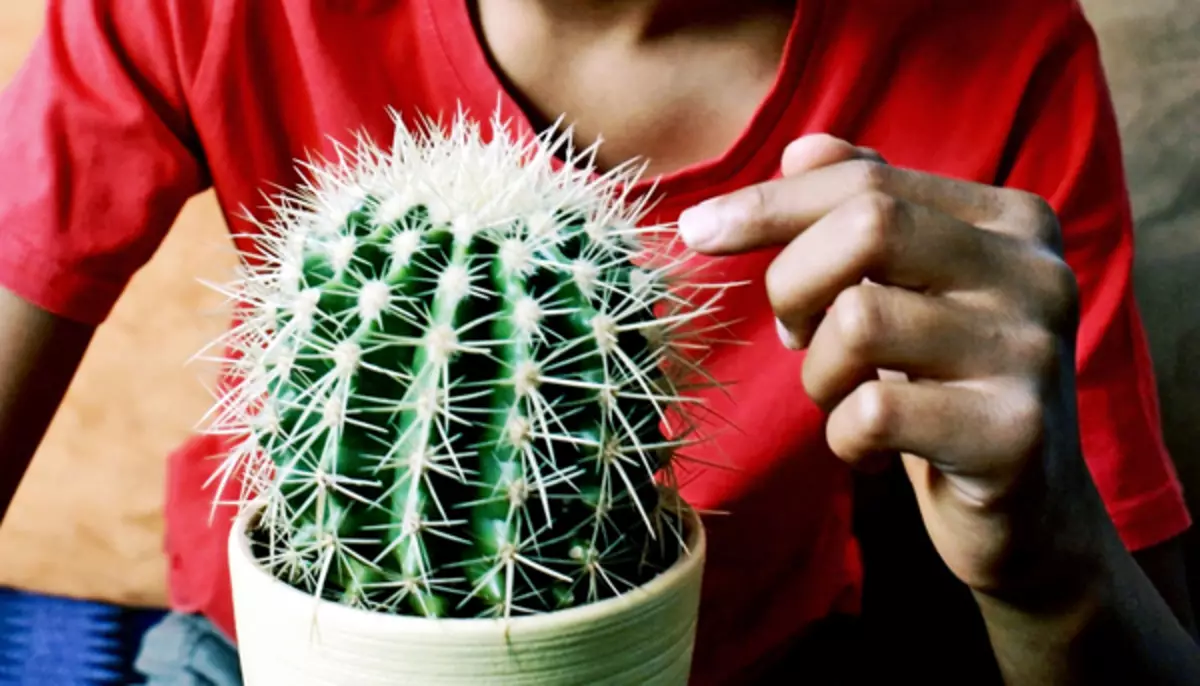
pixel 754 203
pixel 1026 417
pixel 859 320
pixel 1048 232
pixel 876 412
pixel 1036 349
pixel 1064 285
pixel 871 174
pixel 1034 211
pixel 1034 205
pixel 874 214
pixel 1059 291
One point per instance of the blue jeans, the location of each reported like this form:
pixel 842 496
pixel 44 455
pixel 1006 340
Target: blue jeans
pixel 187 650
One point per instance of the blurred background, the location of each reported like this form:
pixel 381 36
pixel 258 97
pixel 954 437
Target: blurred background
pixel 86 522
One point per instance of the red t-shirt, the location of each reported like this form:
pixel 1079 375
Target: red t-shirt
pixel 127 108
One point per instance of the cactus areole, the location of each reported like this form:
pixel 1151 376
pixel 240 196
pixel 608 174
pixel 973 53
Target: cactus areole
pixel 461 378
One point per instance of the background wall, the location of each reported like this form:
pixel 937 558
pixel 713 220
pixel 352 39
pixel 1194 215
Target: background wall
pixel 86 521
pixel 1152 55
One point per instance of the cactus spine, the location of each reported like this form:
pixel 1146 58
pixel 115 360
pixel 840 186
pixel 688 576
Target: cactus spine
pixel 456 368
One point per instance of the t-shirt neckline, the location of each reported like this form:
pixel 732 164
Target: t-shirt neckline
pixel 483 92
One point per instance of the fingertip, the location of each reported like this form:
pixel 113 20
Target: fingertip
pixel 786 337
pixel 860 425
pixel 846 447
pixel 699 226
pixel 797 334
pixel 813 151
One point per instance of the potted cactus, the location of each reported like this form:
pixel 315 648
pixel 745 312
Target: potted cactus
pixel 461 374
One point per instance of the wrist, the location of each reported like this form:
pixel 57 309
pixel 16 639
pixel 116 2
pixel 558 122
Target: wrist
pixel 1101 623
pixel 1054 592
pixel 1060 610
pixel 1043 642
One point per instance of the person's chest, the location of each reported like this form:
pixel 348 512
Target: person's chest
pixel 282 83
pixel 289 83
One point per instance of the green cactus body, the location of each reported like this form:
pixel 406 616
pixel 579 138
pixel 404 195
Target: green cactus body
pixel 456 378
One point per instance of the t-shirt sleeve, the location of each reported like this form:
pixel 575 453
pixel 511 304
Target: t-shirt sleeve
pixel 97 155
pixel 1067 150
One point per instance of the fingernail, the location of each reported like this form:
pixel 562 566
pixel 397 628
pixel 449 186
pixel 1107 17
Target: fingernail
pixel 785 336
pixel 700 225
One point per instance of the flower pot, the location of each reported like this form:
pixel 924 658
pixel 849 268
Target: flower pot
pixel 642 638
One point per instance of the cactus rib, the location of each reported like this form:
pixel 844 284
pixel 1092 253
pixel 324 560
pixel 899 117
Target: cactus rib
pixel 461 377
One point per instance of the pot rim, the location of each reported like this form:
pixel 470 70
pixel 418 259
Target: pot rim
pixel 666 583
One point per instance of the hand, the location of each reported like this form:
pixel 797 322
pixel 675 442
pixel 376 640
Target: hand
pixel 938 317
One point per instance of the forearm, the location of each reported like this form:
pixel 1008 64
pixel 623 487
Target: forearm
pixel 1165 566
pixel 1110 627
pixel 39 354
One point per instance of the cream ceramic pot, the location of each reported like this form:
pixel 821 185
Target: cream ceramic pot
pixel 287 637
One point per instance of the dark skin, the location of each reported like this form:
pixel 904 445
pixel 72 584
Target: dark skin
pixel 39 354
pixel 1014 518
pixel 640 71
pixel 958 291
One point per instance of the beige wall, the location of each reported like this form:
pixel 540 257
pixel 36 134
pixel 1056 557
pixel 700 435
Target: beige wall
pixel 1152 55
pixel 86 521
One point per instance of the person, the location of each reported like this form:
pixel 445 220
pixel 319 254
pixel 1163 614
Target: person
pixel 926 188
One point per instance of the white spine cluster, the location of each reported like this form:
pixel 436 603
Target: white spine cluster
pixel 354 483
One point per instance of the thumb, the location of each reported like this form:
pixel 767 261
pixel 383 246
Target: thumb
pixel 819 150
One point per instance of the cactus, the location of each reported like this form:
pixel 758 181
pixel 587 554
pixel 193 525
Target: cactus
pixel 462 376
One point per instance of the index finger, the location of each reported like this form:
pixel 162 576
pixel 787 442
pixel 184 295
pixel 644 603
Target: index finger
pixel 775 212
